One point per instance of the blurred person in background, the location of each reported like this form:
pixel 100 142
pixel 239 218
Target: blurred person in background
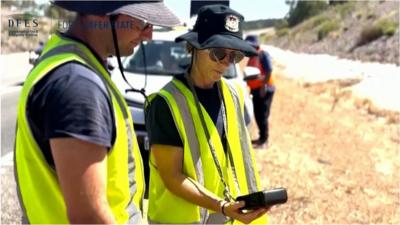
pixel 262 90
pixel 34 55
pixel 39 49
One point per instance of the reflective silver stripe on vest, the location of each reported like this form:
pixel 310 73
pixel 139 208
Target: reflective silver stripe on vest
pixel 155 222
pixel 244 142
pixel 190 130
pixel 215 218
pixel 186 116
pixel 72 48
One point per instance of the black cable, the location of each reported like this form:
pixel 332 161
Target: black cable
pixel 142 91
pixel 144 63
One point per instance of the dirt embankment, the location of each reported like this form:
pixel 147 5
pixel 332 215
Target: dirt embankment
pixel 339 163
pixel 352 31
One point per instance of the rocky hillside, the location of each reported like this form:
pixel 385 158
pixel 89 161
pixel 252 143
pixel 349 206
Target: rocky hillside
pixel 359 30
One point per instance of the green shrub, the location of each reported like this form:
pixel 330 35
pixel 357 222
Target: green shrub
pixel 345 9
pixel 388 27
pixel 282 32
pixel 359 15
pixel 371 16
pixel 305 26
pixel 304 10
pixel 281 24
pixel 318 20
pixel 325 28
pixel 380 28
pixel 266 38
pixel 310 24
pixel 57 12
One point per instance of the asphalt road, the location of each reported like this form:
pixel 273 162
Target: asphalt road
pixel 9 99
pixel 10 209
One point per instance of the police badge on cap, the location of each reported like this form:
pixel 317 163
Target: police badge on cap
pixel 218 26
pixel 232 23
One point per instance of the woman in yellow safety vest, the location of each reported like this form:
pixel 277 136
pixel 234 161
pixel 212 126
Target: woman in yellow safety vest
pixel 201 156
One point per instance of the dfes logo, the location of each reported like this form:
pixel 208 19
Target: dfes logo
pixel 23 25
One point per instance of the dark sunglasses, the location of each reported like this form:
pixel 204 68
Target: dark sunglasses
pixel 145 25
pixel 142 25
pixel 218 54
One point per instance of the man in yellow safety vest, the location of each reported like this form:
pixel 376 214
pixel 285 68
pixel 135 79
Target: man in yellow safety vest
pixel 76 155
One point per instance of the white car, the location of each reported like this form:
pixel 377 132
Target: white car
pixel 152 65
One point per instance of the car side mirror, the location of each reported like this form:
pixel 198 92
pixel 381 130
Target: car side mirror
pixel 251 73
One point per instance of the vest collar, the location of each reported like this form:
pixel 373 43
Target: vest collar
pixel 67 36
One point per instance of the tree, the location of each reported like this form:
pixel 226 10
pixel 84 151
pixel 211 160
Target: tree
pixel 302 10
pixel 292 4
pixel 55 12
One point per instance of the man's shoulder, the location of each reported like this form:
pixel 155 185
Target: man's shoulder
pixel 264 53
pixel 77 73
pixel 66 83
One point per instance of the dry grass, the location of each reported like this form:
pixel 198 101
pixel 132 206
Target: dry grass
pixel 339 166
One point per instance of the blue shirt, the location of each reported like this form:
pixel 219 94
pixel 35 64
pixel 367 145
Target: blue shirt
pixel 71 101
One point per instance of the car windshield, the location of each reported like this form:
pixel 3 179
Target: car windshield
pixel 158 57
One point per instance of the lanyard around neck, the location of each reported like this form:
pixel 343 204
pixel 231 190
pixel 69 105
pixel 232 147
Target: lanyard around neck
pixel 227 193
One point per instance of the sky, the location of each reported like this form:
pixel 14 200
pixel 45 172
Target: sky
pixel 250 9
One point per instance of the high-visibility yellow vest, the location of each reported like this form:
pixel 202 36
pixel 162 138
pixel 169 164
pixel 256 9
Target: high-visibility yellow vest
pixel 38 186
pixel 198 162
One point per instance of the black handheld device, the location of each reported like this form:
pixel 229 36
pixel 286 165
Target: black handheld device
pixel 264 198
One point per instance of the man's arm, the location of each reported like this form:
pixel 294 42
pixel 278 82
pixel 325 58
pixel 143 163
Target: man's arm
pixel 267 64
pixel 169 164
pixel 82 172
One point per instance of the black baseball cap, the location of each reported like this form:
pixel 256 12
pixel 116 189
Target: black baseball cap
pixel 218 26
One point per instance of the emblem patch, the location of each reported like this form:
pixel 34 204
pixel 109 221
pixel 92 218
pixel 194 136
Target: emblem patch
pixel 232 23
